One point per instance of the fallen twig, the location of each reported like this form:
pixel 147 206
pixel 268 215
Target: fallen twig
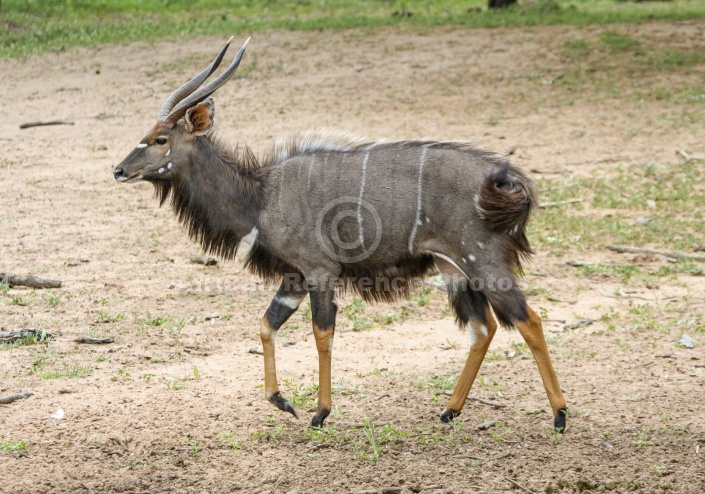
pixel 48 122
pixel 29 280
pixel 479 400
pixel 687 158
pixel 509 151
pixel 621 294
pixel 628 249
pixel 204 259
pixel 517 484
pixel 94 341
pixel 10 336
pixel 486 425
pixel 9 399
pixel 558 203
pixel 255 351
pixel 488 402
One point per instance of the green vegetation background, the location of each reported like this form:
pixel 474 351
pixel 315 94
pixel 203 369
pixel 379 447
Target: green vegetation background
pixel 34 26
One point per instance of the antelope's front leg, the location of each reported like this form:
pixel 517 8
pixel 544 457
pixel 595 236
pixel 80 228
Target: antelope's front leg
pixel 285 303
pixel 323 311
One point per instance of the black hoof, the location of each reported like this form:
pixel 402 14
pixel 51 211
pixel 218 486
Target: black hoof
pixel 317 421
pixel 559 420
pixel 282 404
pixel 449 415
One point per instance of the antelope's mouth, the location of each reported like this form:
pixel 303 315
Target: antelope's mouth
pixel 128 179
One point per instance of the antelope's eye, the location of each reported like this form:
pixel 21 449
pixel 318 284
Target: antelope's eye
pixel 161 141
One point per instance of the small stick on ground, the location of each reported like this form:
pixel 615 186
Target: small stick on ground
pixel 558 203
pixel 48 122
pixel 628 249
pixel 4 400
pixel 479 400
pixel 29 281
pixel 94 341
pixel 204 259
pixel 517 484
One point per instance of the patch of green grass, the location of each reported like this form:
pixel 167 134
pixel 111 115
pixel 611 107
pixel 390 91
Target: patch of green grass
pixel 270 435
pixel 193 448
pixel 73 370
pixel 230 439
pixel 14 447
pixel 175 384
pixel 669 198
pixel 52 300
pixel 30 27
pixel 616 42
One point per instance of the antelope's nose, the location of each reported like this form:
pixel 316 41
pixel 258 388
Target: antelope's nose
pixel 119 173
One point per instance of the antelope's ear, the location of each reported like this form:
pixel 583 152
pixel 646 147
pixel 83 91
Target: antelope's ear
pixel 199 119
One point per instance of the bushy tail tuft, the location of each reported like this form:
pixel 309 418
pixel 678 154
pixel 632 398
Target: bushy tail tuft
pixel 504 203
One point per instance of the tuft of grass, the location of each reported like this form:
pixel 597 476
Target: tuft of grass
pixel 14 447
pixel 73 370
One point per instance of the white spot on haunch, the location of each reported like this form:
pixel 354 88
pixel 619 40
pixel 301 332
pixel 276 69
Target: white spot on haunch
pixel 290 302
pixel 168 152
pixel 471 258
pixel 475 333
pixel 141 145
pixel 481 245
pixel 419 190
pixel 169 166
pixel 359 200
pixel 161 170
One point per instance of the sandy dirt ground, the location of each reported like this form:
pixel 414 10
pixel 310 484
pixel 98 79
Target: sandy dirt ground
pixel 176 403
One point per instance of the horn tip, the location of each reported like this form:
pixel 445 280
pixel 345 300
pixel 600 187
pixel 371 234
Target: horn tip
pixel 231 38
pixel 244 45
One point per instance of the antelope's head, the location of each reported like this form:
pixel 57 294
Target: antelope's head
pixel 185 115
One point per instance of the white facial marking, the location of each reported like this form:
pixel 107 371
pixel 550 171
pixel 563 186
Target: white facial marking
pixel 141 145
pixel 253 235
pixel 168 152
pixel 290 302
pixel 161 170
pixel 359 201
pixel 169 166
pixel 419 187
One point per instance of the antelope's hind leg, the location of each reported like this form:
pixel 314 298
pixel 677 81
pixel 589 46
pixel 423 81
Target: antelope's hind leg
pixel 323 312
pixel 532 332
pixel 284 304
pixel 472 311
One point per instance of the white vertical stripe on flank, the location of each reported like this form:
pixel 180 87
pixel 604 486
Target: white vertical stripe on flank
pixel 359 201
pixel 417 220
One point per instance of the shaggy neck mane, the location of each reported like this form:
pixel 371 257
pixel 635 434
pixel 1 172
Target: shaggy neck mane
pixel 217 197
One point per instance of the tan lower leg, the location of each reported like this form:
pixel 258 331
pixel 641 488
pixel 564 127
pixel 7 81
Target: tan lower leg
pixel 324 345
pixel 532 332
pixel 268 335
pixel 481 338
